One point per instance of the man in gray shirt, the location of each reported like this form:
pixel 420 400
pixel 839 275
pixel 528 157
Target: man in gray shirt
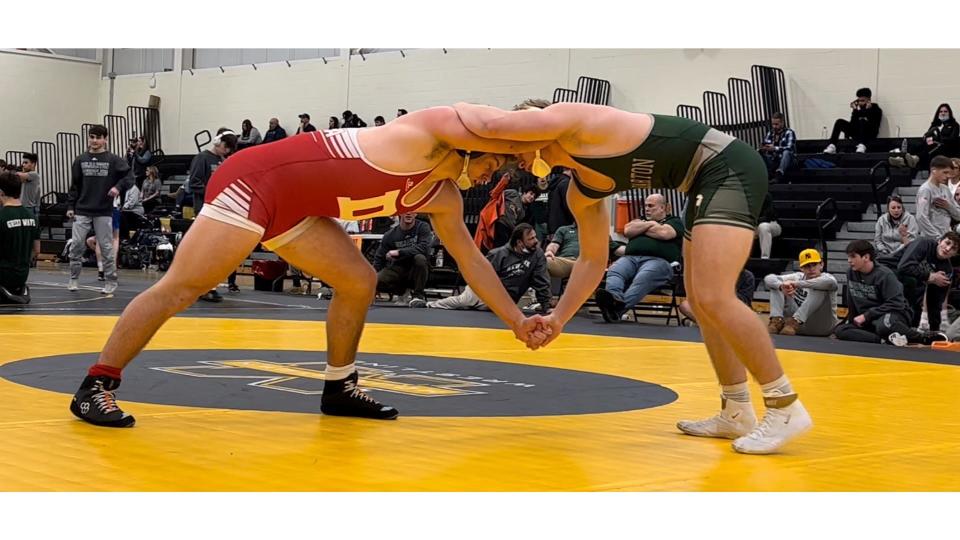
pixel 935 203
pixel 30 194
pixel 803 302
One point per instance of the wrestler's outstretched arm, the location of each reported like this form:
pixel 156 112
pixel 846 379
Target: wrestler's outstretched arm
pixel 593 221
pixel 527 125
pixel 446 213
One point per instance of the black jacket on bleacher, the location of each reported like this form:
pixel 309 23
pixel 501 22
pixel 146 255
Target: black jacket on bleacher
pixel 867 120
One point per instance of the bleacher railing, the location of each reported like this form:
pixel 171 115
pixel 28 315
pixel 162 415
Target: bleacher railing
pixel 14 157
pixel 745 110
pixel 145 122
pixel 829 204
pixel 55 159
pixel 878 188
pixel 589 90
pixel 69 146
pixel 52 176
pixel 119 130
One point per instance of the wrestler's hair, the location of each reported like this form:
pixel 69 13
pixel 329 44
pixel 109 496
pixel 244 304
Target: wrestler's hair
pixel 532 103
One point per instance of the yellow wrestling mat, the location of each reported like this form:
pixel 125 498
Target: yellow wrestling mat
pixel 879 424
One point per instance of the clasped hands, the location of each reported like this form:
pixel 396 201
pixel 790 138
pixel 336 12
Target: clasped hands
pixel 538 330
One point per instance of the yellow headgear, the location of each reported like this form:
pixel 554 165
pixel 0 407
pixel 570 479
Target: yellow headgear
pixel 463 181
pixel 540 167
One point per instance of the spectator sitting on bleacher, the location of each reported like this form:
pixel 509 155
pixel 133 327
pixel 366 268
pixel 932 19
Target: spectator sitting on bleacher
pixel 562 251
pixel 746 286
pixel 132 201
pixel 401 112
pixel 275 133
pixel 379 121
pixel 645 262
pixel 896 228
pixel 249 135
pixel 517 203
pixel 943 137
pixel 351 120
pixel 767 227
pixel 954 181
pixel 925 271
pixel 305 125
pixel 935 204
pixel 803 302
pixel 520 265
pixel 333 123
pixel 864 124
pixel 778 148
pixel 151 189
pixel 19 238
pixel 876 309
pixel 402 260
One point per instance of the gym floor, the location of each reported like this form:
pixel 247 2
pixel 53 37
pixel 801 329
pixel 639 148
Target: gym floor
pixel 226 398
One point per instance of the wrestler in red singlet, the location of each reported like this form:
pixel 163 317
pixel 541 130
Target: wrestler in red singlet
pixel 274 189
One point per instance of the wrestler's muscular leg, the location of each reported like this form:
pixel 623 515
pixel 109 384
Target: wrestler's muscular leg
pixel 327 253
pixel 734 334
pixel 207 254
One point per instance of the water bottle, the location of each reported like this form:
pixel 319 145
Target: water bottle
pixel 904 145
pixel 439 258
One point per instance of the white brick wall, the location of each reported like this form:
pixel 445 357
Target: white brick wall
pixel 908 84
pixel 41 96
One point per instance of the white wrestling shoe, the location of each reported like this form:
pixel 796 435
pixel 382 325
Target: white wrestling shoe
pixel 735 420
pixel 779 425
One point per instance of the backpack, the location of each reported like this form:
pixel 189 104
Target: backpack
pixel 817 163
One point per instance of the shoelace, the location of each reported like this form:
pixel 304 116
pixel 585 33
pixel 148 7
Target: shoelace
pixel 105 401
pixel 765 424
pixel 356 392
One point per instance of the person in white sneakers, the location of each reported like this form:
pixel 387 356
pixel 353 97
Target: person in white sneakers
pixel 97 178
pixel 863 126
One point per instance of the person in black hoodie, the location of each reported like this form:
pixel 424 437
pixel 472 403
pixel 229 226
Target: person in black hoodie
pixel 943 137
pixel 864 124
pixel 520 265
pixel 877 311
pixel 925 261
pixel 201 169
pixel 402 261
pixel 98 177
pixel 558 212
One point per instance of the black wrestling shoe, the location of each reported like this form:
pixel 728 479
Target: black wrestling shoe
pixel 345 398
pixel 610 307
pixel 100 276
pixel 95 403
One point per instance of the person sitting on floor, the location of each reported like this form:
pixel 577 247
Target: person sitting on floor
pixel 520 265
pixel 877 312
pixel 803 302
pixel 19 241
